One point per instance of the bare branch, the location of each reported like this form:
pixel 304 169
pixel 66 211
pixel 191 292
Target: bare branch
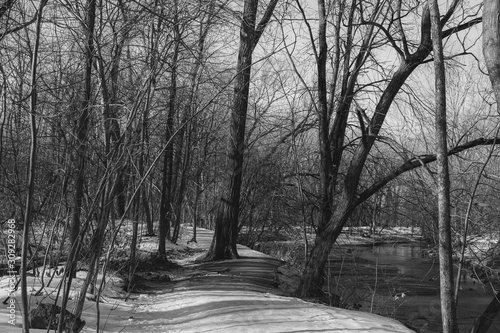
pixel 6 6
pixel 309 29
pixel 388 35
pixel 264 21
pixel 461 27
pixel 419 161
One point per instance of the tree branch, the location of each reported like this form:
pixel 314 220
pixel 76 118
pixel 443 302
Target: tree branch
pixel 389 37
pixel 309 29
pixel 20 27
pixel 264 21
pixel 419 161
pixel 6 6
pixel 463 26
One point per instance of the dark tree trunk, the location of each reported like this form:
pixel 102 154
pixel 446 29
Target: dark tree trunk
pixel 143 199
pixel 313 277
pixel 112 181
pixel 311 284
pixel 167 182
pixel 31 175
pixel 121 191
pixel 165 208
pixel 483 323
pixel 324 123
pixel 220 244
pixel 225 237
pixel 147 213
pixel 205 27
pixel 114 127
pixel 152 65
pixel 196 204
pixel 238 122
pixel 183 170
pixel 82 130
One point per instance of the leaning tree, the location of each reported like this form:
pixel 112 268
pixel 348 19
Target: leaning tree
pixel 362 31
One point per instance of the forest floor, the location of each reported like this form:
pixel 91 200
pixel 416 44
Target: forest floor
pixel 246 295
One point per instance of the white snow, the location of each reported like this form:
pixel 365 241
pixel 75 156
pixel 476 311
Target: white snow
pixel 185 310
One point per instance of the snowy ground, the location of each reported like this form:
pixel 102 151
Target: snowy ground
pixel 228 296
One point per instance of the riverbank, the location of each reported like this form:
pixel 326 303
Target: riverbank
pixel 192 296
pixel 393 277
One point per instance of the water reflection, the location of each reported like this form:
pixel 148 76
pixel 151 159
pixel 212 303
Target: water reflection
pixel 412 260
pixel 391 270
pixel 409 258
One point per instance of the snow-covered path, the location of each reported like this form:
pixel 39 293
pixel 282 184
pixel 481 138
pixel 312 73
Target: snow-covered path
pixel 227 296
pixel 242 296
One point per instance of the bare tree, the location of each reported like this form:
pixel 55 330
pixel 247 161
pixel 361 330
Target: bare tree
pixel 341 191
pixel 168 160
pixel 226 229
pixel 32 170
pixel 448 307
pixel 81 135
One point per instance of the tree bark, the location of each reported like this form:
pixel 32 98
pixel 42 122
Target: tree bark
pixel 32 173
pixel 113 171
pixel 113 125
pixel 167 182
pixel 224 241
pixel 313 276
pixel 324 122
pixel 448 307
pixel 81 135
pixel 238 119
pixel 483 323
pixel 143 157
pixel 491 44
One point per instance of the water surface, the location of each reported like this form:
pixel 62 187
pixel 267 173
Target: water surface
pixel 412 293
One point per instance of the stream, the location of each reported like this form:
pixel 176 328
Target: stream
pixel 397 281
pixel 417 276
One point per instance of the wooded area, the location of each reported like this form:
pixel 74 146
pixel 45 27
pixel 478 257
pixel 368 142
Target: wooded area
pixel 256 119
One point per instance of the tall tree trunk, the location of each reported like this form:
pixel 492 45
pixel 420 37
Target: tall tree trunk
pixel 491 51
pixel 81 135
pixel 324 122
pixel 3 101
pixel 113 92
pixel 313 277
pixel 145 203
pixel 196 203
pixel 182 169
pixel 224 241
pixel 28 216
pixel 448 308
pixel 167 182
pixel 113 170
pixel 230 206
pixel 165 207
pixel 205 27
pixel 143 199
pixel 145 126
